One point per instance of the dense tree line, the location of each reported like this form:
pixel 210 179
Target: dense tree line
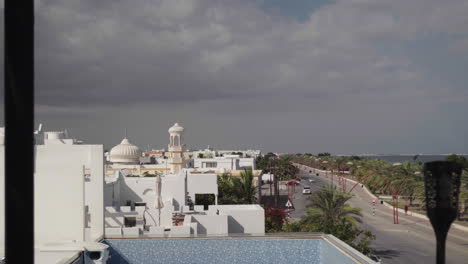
pixel 380 177
pixel 280 166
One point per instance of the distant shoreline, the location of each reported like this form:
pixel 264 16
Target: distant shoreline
pixel 403 155
pixel 406 157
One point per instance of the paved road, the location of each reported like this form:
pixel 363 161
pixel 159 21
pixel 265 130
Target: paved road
pixel 411 241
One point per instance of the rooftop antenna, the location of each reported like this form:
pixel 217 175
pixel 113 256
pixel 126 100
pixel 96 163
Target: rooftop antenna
pixel 39 129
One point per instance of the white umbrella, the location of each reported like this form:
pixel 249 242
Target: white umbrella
pixel 158 203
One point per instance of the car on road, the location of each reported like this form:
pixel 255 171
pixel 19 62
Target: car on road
pixel 310 180
pixel 306 190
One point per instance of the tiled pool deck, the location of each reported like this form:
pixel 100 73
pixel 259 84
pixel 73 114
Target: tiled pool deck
pixel 266 249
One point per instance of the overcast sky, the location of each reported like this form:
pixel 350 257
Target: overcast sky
pixel 344 76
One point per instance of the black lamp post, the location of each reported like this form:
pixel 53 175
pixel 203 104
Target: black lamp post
pixel 442 182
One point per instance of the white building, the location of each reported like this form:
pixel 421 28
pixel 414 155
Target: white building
pixel 243 153
pixel 211 153
pixel 225 163
pixel 68 194
pixel 76 204
pixel 129 158
pixel 130 197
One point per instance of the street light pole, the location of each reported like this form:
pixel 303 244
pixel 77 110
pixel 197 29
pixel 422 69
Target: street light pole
pixel 442 186
pixel 326 170
pixel 332 176
pixel 344 179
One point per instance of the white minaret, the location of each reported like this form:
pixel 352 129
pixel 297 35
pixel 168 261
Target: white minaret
pixel 176 148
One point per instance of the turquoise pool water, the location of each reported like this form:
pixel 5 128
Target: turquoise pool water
pixel 224 250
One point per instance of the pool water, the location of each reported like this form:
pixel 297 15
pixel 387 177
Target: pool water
pixel 223 250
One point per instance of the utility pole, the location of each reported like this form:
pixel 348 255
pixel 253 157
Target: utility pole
pixel 270 171
pixel 275 177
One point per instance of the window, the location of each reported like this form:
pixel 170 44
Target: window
pixel 211 164
pixel 130 221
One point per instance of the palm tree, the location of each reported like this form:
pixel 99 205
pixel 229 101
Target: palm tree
pixel 237 190
pixel 329 213
pixel 329 206
pixel 226 190
pixel 244 187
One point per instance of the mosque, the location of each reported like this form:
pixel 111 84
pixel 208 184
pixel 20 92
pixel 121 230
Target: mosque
pixel 131 190
pixel 129 158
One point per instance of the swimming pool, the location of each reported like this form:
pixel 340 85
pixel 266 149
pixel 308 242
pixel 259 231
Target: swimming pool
pixel 224 250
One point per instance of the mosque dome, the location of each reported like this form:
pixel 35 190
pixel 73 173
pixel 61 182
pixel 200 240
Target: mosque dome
pixel 125 152
pixel 176 128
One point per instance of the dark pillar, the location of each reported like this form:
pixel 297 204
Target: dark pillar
pixel 19 131
pixel 442 184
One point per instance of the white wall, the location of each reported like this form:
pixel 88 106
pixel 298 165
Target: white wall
pixel 60 192
pixel 58 198
pixel 173 189
pixel 202 184
pixel 136 189
pixel 247 163
pixel 229 162
pixel 242 218
pixel 2 203
pixel 94 196
pixel 59 162
pixel 112 193
pixel 211 224
pixel 142 189
pixel 221 163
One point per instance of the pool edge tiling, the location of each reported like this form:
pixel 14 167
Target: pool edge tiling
pixel 224 250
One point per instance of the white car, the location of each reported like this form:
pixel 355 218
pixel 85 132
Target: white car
pixel 310 180
pixel 306 190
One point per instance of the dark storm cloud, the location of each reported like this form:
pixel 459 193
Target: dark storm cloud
pixel 359 75
pixel 134 52
pixel 103 52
